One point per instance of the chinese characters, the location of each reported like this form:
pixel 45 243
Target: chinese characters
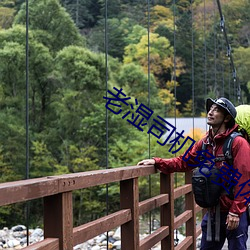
pixel 140 114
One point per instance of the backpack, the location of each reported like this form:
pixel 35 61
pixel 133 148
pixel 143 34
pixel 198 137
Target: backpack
pixel 204 181
pixel 206 192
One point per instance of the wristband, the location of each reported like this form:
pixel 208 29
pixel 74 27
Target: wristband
pixel 232 214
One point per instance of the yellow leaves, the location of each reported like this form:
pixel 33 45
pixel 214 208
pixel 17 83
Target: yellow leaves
pixel 171 85
pixel 161 16
pixel 179 66
pixel 159 53
pixel 6 17
pixel 203 114
pixel 166 96
pixel 196 133
pixel 170 102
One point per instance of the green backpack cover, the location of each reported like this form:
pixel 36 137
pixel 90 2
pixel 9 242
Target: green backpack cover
pixel 243 118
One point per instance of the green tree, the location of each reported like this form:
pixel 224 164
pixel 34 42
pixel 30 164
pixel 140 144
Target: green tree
pixel 53 25
pixel 117 31
pixel 241 56
pixel 84 13
pixel 137 85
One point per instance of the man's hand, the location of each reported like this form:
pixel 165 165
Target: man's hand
pixel 146 162
pixel 232 221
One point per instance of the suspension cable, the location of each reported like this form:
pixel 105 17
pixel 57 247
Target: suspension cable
pixel 229 53
pixel 175 95
pixel 149 141
pixel 27 207
pixel 205 50
pixel 215 54
pixel 107 120
pixel 192 24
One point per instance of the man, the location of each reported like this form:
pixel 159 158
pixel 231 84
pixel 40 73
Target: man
pixel 221 115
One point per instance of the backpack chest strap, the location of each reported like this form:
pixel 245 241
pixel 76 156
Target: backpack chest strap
pixel 219 159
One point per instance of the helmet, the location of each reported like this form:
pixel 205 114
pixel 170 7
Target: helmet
pixel 223 103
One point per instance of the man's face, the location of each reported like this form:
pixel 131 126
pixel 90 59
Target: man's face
pixel 215 116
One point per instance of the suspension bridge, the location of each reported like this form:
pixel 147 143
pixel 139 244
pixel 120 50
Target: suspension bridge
pixel 56 192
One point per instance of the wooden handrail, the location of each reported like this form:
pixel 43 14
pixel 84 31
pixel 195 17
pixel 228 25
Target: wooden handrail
pixel 58 208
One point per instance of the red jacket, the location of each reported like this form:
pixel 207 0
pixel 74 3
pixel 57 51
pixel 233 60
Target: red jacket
pixel 241 156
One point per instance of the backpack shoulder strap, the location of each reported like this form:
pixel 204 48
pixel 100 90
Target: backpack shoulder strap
pixel 227 147
pixel 203 148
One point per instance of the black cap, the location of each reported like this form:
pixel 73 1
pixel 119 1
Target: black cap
pixel 223 103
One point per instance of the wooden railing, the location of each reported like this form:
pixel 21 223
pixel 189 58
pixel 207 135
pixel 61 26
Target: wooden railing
pixel 56 192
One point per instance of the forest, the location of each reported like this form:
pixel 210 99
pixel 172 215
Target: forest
pixel 57 72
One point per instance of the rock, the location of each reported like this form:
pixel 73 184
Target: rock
pixel 13 243
pixel 111 239
pixel 23 240
pixel 38 232
pixel 91 242
pixel 111 233
pixel 80 246
pixel 117 244
pixel 3 233
pixel 117 234
pixel 19 234
pixel 100 238
pixel 103 243
pixel 95 248
pixel 18 247
pixel 16 238
pixel 18 228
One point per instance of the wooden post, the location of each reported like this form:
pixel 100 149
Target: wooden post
pixel 58 219
pixel 129 197
pixel 190 205
pixel 167 210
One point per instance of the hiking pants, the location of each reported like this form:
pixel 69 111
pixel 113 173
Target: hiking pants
pixel 237 238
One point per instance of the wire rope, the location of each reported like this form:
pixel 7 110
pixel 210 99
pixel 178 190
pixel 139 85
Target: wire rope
pixel 149 142
pixel 205 48
pixel 205 54
pixel 107 120
pixel 236 82
pixel 215 53
pixel 77 13
pixel 27 207
pixel 193 97
pixel 175 92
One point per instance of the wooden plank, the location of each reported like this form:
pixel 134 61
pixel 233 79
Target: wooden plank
pixel 129 196
pixel 182 218
pixel 98 177
pixel 198 208
pixel 24 190
pixel 58 219
pixel 190 205
pixel 185 244
pixel 46 244
pixel 154 238
pixel 90 230
pixel 152 203
pixel 198 231
pixel 167 210
pixel 182 190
